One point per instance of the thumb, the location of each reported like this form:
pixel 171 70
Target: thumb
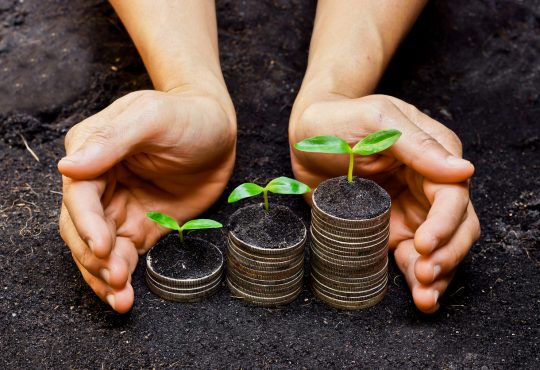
pixel 103 148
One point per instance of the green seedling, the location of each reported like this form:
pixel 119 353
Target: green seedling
pixel 169 222
pixel 280 185
pixel 371 144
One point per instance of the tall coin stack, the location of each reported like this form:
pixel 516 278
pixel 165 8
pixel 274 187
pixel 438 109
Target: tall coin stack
pixel 265 276
pixel 349 259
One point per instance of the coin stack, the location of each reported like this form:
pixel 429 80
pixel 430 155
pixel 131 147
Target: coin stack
pixel 267 277
pixel 349 259
pixel 186 289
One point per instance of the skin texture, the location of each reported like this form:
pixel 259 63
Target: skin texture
pixel 433 222
pixel 171 151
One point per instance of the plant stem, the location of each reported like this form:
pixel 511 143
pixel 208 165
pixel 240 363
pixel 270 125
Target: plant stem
pixel 265 195
pixel 351 166
pixel 181 236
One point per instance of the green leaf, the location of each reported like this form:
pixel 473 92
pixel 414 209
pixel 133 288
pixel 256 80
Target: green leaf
pixel 163 220
pixel 285 185
pixel 376 142
pixel 201 223
pixel 245 191
pixel 323 144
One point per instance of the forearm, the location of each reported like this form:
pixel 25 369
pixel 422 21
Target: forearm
pixel 177 40
pixel 352 43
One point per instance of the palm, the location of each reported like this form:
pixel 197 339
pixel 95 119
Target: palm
pixel 433 223
pixel 144 183
pixel 149 151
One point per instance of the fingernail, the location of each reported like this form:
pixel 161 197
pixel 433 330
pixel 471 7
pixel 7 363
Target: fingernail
pixel 436 272
pixel 110 300
pixel 436 295
pixel 457 162
pixel 105 274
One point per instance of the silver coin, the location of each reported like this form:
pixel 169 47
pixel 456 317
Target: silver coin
pixel 348 231
pixel 266 258
pixel 185 290
pixel 341 262
pixel 233 264
pixel 267 282
pixel 359 294
pixel 349 305
pixel 347 286
pixel 261 300
pixel 265 288
pixel 364 237
pixel 342 222
pixel 182 297
pixel 184 283
pixel 265 266
pixel 340 251
pixel 350 272
pixel 269 251
pixel 332 255
pixel 350 244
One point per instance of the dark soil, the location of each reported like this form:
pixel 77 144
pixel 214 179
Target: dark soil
pixel 277 228
pixel 193 259
pixel 473 65
pixel 357 200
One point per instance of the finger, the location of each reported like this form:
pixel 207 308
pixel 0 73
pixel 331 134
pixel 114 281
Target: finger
pixel 112 270
pixel 449 205
pixel 83 202
pixel 446 137
pixel 445 259
pixel 120 300
pixel 415 148
pixel 79 133
pixel 425 296
pixel 108 140
pixel 125 249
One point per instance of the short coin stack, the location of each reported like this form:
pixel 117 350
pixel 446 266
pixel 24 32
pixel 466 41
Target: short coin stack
pixel 265 276
pixel 349 259
pixel 198 286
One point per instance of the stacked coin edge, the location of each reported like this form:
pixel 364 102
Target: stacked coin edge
pixel 349 259
pixel 266 277
pixel 184 290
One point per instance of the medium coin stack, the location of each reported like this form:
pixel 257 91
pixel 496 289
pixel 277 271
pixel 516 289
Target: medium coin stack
pixel 265 276
pixel 349 259
pixel 185 289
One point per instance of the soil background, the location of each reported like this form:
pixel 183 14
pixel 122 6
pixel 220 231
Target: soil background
pixel 473 65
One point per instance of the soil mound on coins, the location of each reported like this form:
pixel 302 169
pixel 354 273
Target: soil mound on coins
pixel 278 227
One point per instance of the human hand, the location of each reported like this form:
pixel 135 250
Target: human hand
pixel 433 223
pixel 171 152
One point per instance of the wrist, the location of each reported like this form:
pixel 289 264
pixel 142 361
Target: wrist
pixel 205 85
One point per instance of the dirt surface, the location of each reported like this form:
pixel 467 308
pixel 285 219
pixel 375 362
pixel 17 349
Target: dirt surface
pixel 358 200
pixel 193 259
pixel 473 65
pixel 276 228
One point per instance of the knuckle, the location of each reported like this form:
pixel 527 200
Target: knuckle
pixel 424 141
pixel 103 135
pixel 377 108
pixel 311 115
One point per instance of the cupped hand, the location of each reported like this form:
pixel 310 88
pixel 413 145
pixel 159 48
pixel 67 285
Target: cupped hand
pixel 433 223
pixel 171 152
